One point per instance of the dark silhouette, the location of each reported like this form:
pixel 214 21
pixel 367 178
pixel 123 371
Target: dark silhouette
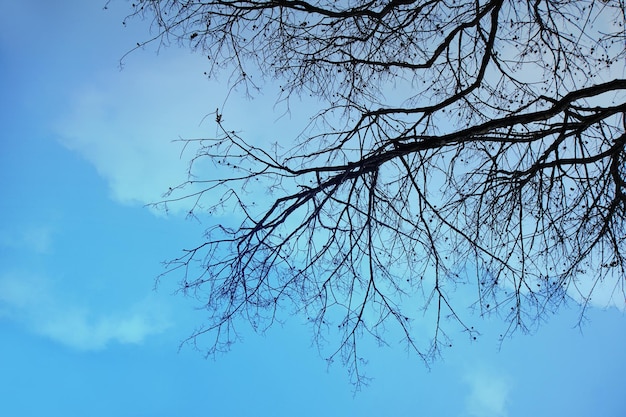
pixel 475 143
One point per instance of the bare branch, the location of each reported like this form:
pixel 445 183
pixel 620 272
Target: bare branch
pixel 477 143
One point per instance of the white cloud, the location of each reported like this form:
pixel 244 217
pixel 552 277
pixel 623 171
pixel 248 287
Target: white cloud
pixel 124 123
pixel 610 292
pixel 488 395
pixel 33 302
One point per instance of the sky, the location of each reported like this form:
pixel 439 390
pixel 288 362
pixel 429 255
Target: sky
pixel 85 145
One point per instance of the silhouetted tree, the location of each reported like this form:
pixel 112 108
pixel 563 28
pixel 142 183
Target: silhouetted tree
pixel 460 142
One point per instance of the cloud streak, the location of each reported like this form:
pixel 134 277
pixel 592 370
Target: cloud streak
pixel 32 302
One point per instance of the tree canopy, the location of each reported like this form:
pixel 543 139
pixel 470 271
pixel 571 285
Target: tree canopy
pixel 477 143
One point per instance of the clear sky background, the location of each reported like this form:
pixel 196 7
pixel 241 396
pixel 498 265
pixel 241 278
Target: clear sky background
pixel 83 147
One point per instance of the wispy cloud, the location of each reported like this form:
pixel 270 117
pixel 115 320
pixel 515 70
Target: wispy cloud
pixel 33 302
pixel 488 396
pixel 36 238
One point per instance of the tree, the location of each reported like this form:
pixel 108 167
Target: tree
pixel 459 142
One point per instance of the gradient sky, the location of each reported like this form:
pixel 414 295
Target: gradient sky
pixel 83 147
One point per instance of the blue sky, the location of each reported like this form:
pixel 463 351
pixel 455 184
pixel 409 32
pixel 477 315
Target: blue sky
pixel 83 147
